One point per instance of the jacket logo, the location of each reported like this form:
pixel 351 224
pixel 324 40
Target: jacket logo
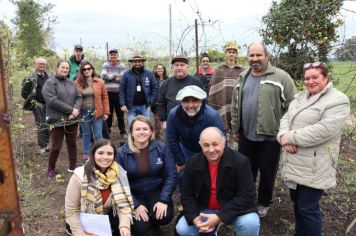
pixel 147 81
pixel 159 161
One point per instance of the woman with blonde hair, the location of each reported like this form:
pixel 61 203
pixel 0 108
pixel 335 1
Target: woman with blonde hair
pixel 152 176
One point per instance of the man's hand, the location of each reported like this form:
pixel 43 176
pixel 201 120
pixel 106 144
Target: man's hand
pixel 105 117
pixel 236 137
pixel 179 168
pixel 210 221
pixel 164 125
pixel 124 109
pixel 141 213
pixel 161 210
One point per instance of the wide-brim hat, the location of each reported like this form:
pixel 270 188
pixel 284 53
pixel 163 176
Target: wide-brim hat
pixel 180 58
pixel 137 57
pixel 191 91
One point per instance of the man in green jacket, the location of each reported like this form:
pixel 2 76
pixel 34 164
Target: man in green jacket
pixel 259 100
pixel 74 61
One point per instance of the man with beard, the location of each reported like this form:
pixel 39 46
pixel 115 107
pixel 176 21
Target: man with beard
pixel 261 97
pixel 170 87
pixel 185 123
pixel 74 61
pixel 221 85
pixel 138 89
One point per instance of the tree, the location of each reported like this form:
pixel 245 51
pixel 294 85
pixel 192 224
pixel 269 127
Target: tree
pixel 301 31
pixel 348 50
pixel 34 25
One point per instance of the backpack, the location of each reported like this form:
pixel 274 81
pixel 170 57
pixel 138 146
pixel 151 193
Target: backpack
pixel 30 102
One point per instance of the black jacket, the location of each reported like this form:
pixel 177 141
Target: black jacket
pixel 235 186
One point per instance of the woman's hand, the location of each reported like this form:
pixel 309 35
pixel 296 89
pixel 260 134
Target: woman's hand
pixel 161 210
pixel 284 139
pixel 75 112
pixel 290 148
pixel 124 231
pixel 142 213
pixel 88 234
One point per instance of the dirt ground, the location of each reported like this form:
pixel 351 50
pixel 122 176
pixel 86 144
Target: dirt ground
pixel 42 200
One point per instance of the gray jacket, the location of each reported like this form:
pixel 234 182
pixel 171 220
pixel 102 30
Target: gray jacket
pixel 61 96
pixel 314 124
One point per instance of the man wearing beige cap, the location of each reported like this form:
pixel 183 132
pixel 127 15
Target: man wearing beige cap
pixel 185 123
pixel 169 88
pixel 221 85
pixel 138 89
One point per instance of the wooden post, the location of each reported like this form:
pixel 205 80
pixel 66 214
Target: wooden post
pixel 196 45
pixel 9 203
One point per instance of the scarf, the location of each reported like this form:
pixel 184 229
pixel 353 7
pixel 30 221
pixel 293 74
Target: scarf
pixel 91 200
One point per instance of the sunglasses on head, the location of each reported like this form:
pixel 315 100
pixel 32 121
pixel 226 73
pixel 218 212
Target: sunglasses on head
pixel 86 68
pixel 314 64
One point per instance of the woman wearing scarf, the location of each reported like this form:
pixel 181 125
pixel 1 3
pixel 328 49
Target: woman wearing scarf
pixel 99 187
pixel 152 177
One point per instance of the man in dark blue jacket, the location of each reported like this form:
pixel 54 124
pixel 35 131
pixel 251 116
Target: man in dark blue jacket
pixel 138 89
pixel 185 123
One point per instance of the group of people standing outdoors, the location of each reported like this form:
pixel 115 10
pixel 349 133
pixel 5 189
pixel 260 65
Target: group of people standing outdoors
pixel 210 135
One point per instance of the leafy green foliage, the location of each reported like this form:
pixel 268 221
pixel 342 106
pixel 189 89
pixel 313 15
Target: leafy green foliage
pixel 302 31
pixel 347 51
pixel 34 25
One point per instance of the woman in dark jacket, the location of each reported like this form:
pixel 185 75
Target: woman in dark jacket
pixel 152 176
pixel 160 73
pixel 63 101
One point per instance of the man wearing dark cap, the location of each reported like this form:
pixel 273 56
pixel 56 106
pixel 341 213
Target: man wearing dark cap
pixel 138 89
pixel 111 73
pixel 74 61
pixel 169 88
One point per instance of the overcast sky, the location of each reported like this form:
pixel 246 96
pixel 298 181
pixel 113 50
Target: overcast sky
pixel 129 24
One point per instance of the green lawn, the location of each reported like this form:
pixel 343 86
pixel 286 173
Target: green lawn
pixel 344 77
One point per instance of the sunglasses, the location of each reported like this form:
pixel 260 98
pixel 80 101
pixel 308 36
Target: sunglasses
pixel 87 68
pixel 314 64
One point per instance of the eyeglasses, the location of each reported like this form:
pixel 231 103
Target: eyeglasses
pixel 314 64
pixel 87 68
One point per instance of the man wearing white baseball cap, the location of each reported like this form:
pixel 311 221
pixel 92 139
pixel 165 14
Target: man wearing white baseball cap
pixel 185 123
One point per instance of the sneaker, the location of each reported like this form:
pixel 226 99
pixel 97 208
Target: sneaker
pixel 51 174
pixel 44 152
pixel 85 156
pixel 262 211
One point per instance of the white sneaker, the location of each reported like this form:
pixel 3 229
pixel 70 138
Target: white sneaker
pixel 262 211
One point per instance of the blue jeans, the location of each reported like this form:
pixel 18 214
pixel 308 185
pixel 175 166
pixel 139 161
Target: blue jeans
pixel 246 225
pixel 138 110
pixel 308 219
pixel 89 125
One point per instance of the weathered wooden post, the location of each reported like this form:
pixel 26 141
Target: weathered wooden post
pixel 9 199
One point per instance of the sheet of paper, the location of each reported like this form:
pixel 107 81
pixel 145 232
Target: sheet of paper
pixel 96 224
